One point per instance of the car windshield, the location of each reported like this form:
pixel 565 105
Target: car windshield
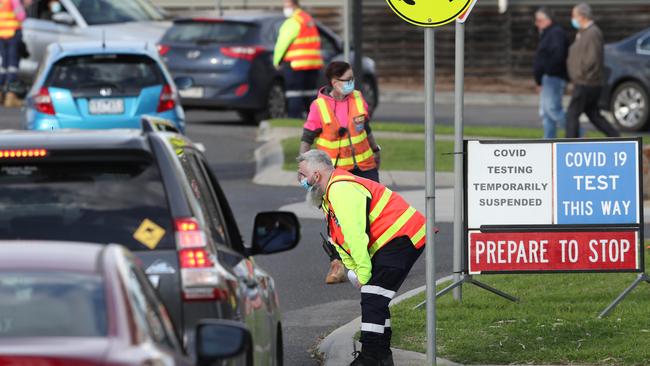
pixel 209 32
pixel 120 71
pixel 90 201
pixel 52 304
pixel 97 12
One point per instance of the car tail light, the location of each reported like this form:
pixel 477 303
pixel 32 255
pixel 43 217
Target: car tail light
pixel 243 52
pixel 195 258
pixel 23 153
pixel 189 234
pixel 43 101
pixel 162 49
pixel 167 99
pixel 241 90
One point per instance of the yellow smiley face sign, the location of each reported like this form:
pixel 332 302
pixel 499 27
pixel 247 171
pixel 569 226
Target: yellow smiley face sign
pixel 429 13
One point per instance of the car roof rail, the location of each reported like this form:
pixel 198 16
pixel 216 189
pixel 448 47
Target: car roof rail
pixel 156 124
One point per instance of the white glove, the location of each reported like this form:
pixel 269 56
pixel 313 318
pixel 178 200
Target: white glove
pixel 354 280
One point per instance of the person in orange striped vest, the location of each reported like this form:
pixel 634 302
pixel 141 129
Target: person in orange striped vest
pixel 298 54
pixel 378 235
pixel 12 13
pixel 338 123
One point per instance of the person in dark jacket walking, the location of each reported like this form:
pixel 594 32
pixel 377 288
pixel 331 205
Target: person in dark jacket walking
pixel 550 71
pixel 585 66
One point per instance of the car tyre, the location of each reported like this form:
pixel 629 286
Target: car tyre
pixel 370 93
pixel 276 106
pixel 630 106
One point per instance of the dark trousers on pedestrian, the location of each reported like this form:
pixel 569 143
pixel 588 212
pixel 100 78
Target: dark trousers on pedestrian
pixel 585 100
pixel 301 90
pixel 390 266
pixel 372 174
pixel 9 53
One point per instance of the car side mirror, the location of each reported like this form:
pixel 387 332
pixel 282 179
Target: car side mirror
pixel 275 232
pixel 183 82
pixel 63 18
pixel 218 340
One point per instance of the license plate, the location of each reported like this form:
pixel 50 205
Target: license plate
pixel 192 93
pixel 106 106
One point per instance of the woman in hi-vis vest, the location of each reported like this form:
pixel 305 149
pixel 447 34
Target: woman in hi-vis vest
pixel 12 15
pixel 339 124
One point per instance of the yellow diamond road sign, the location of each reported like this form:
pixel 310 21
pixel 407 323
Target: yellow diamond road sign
pixel 429 13
pixel 149 234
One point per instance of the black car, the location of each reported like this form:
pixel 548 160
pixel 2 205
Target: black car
pixel 154 193
pixel 627 93
pixel 83 304
pixel 230 60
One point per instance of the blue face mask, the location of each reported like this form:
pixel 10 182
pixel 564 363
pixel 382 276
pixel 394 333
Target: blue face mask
pixel 305 184
pixel 348 87
pixel 574 23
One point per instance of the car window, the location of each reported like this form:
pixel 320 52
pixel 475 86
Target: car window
pixel 327 44
pixel 271 34
pixel 40 9
pixel 144 311
pixel 203 196
pixel 119 71
pixel 91 201
pixel 644 44
pixel 52 304
pixel 210 32
pixel 97 12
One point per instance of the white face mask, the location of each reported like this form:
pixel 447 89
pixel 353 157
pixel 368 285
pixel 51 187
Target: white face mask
pixel 287 12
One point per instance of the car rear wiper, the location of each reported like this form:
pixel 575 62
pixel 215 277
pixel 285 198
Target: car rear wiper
pixel 205 41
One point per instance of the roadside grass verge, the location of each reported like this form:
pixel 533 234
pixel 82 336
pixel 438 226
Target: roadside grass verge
pixel 475 131
pixel 396 154
pixel 555 322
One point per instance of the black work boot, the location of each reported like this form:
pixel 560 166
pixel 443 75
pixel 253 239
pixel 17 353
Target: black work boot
pixel 365 359
pixel 386 359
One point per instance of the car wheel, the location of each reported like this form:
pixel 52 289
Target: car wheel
pixel 630 105
pixel 370 93
pixel 277 101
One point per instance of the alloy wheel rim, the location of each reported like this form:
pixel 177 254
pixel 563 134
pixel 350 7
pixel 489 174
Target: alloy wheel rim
pixel 629 107
pixel 277 102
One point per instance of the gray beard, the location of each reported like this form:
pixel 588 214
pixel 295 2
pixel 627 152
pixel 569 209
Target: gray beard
pixel 314 197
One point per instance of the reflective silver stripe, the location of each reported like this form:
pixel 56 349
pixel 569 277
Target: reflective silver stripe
pixel 300 93
pixel 387 325
pixel 376 290
pixel 370 327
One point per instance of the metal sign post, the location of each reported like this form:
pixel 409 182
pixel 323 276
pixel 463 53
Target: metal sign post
pixel 459 80
pixel 430 182
pixel 346 30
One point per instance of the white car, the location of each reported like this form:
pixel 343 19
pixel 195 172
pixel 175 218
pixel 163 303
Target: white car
pixel 88 20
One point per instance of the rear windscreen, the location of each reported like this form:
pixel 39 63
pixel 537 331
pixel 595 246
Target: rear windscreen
pixel 52 304
pixel 208 32
pixel 115 71
pixel 103 202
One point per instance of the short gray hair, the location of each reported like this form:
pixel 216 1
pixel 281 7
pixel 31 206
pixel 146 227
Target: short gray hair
pixel 546 12
pixel 585 10
pixel 316 160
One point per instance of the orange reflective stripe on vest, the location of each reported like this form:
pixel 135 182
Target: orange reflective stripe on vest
pixel 304 52
pixel 390 216
pixel 353 148
pixel 9 24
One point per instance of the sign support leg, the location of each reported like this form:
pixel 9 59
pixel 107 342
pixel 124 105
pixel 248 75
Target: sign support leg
pixel 643 277
pixel 465 278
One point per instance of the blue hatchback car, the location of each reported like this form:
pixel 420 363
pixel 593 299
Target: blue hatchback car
pixel 99 86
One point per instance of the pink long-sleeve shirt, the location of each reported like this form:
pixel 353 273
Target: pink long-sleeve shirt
pixel 339 107
pixel 19 10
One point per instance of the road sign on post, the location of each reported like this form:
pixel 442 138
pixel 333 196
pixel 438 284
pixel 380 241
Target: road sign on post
pixel 427 13
pixel 463 17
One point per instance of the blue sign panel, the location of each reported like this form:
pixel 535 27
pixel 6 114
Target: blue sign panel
pixel 597 183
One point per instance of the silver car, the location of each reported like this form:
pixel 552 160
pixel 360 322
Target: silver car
pixel 88 20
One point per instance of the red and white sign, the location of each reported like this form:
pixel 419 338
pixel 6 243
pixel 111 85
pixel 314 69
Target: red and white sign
pixel 463 17
pixel 553 251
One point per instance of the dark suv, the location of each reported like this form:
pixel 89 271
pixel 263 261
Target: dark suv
pixel 153 192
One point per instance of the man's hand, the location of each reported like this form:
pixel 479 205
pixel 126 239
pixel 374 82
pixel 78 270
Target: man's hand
pixel 354 280
pixel 538 88
pixel 378 159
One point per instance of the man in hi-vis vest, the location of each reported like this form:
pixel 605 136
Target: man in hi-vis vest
pixel 298 54
pixel 378 235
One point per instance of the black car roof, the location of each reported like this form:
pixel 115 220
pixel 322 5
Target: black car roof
pixel 74 140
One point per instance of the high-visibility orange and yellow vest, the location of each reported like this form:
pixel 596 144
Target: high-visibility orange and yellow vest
pixel 351 148
pixel 304 52
pixel 9 23
pixel 389 216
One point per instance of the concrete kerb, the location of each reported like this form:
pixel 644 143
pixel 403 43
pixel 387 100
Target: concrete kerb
pixel 471 98
pixel 269 159
pixel 339 345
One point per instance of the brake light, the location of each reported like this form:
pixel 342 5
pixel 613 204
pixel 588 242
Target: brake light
pixel 23 153
pixel 242 52
pixel 189 234
pixel 162 49
pixel 195 258
pixel 167 100
pixel 241 90
pixel 43 101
